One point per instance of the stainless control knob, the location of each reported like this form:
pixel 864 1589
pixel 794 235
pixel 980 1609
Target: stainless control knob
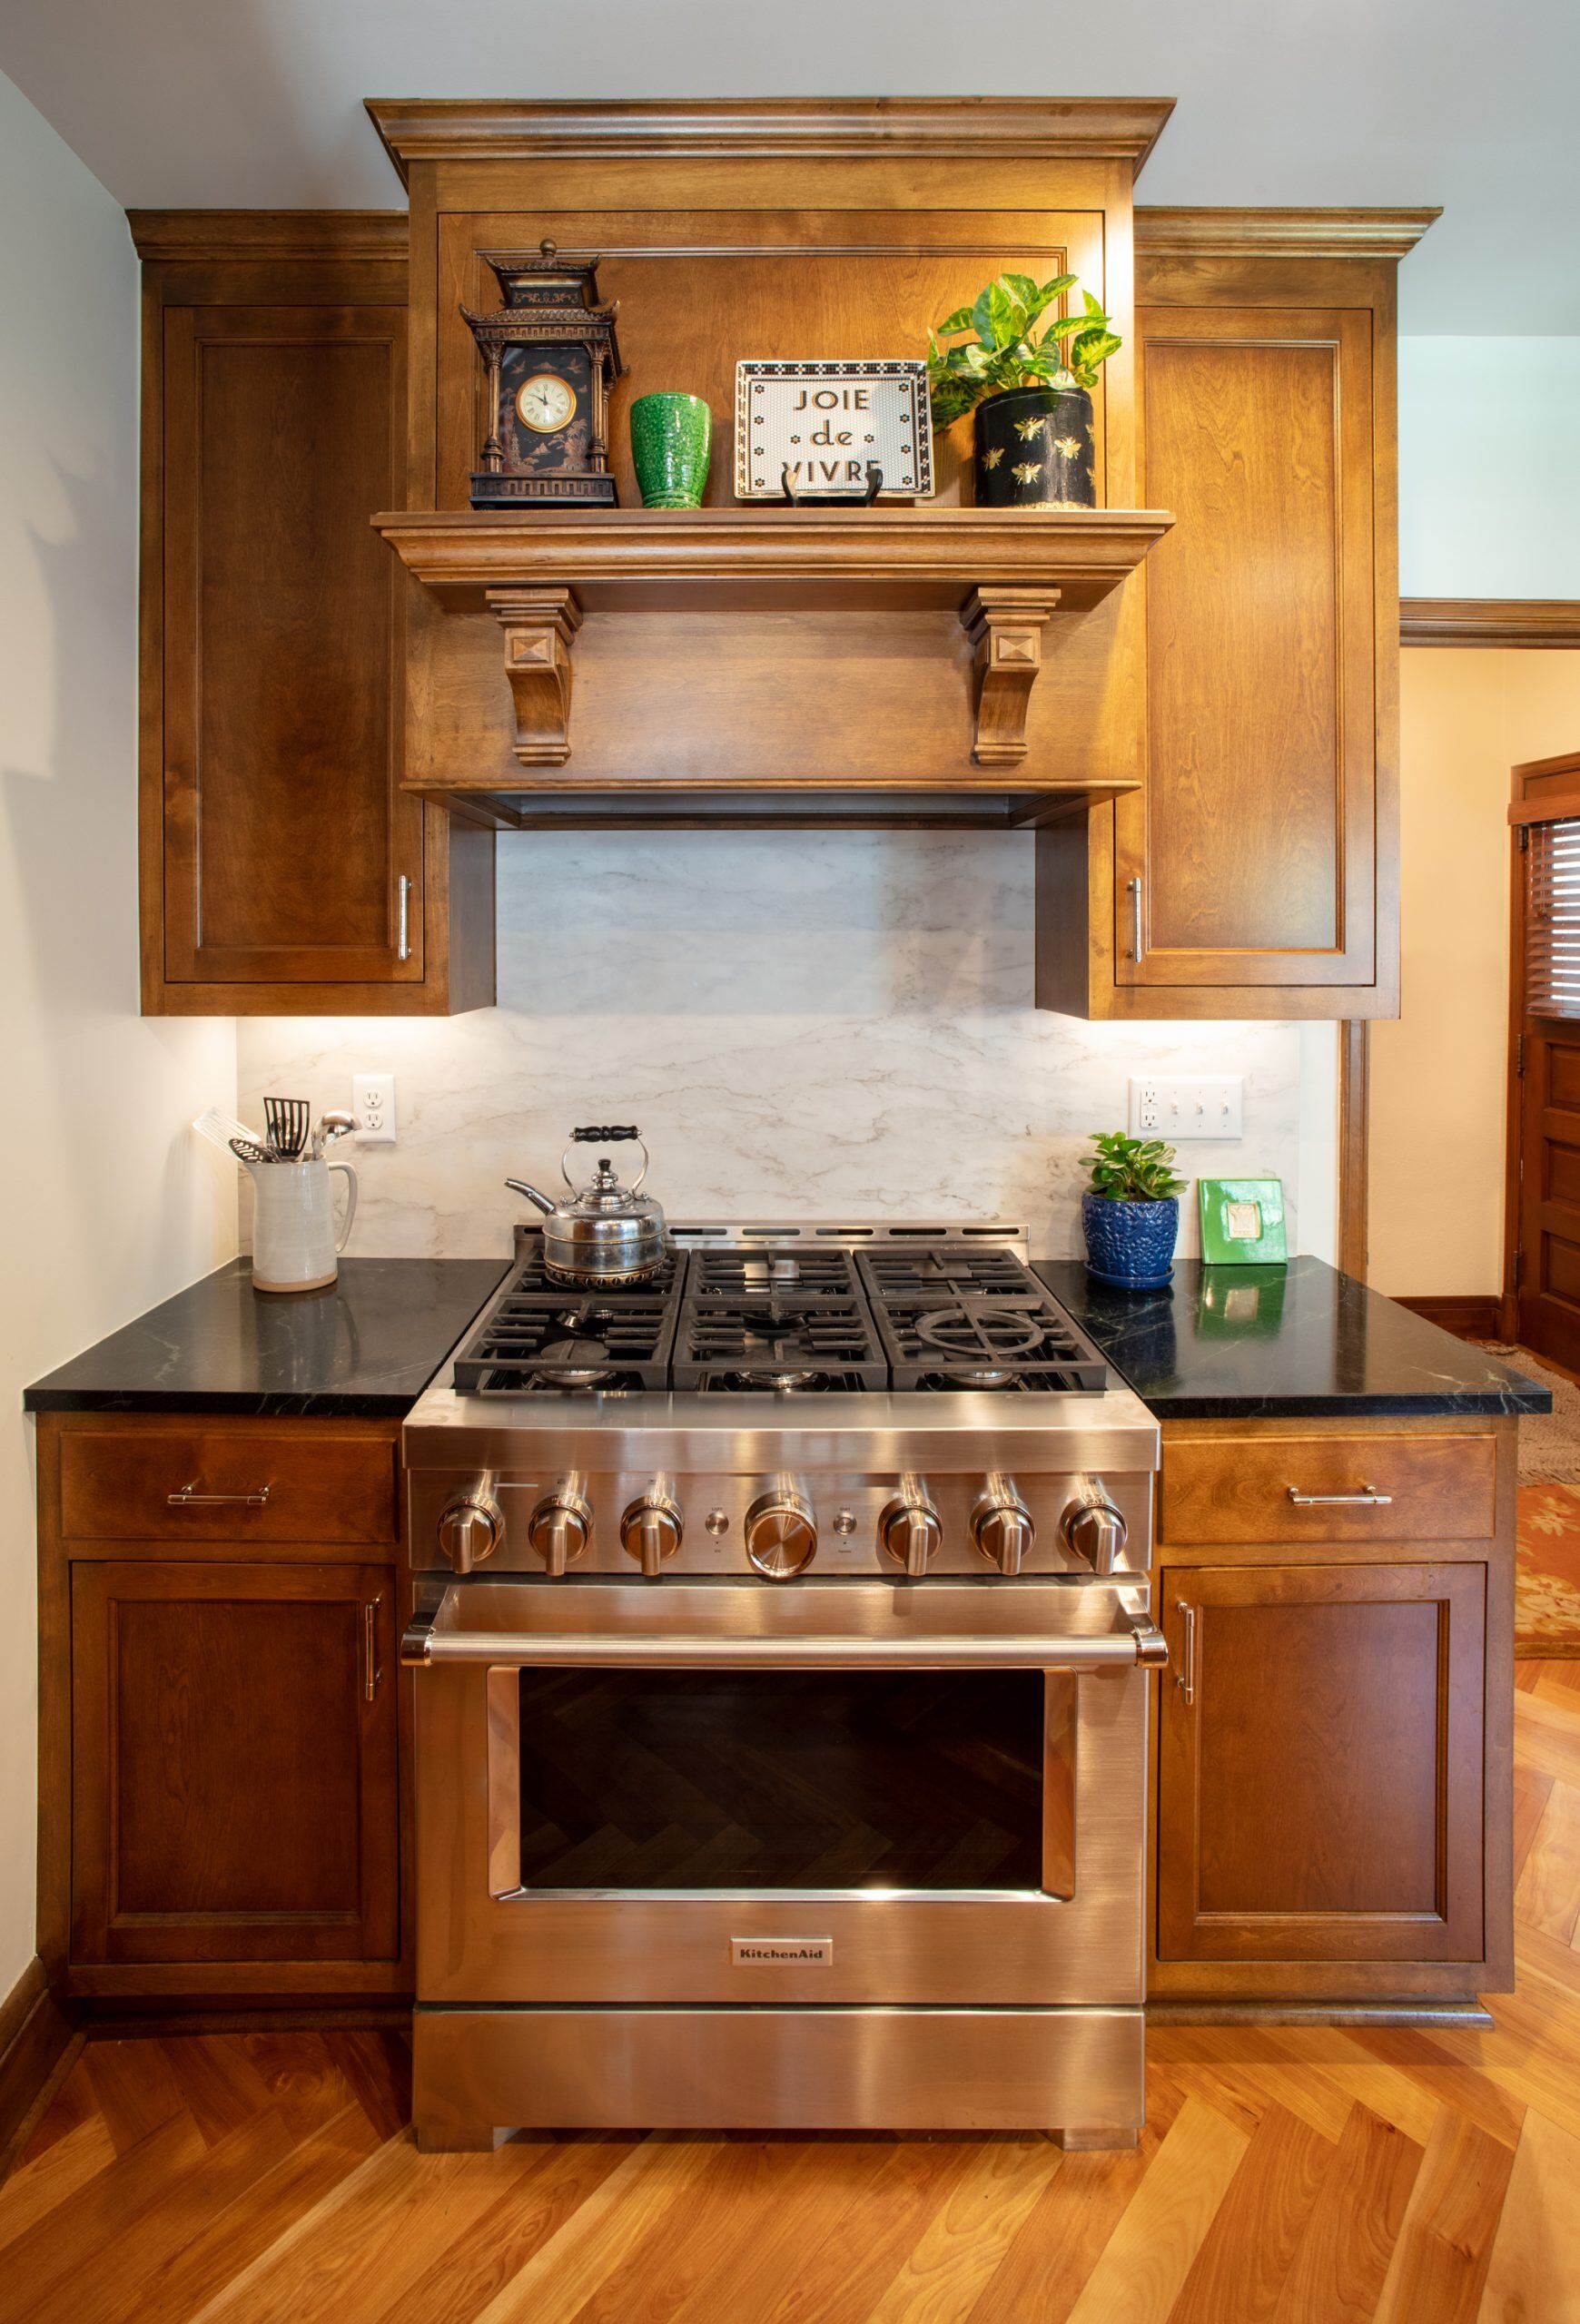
pixel 650 1531
pixel 780 1535
pixel 471 1530
pixel 559 1529
pixel 910 1533
pixel 1003 1531
pixel 1096 1531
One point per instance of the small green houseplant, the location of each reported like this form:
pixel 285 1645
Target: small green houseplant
pixel 1028 375
pixel 1131 1210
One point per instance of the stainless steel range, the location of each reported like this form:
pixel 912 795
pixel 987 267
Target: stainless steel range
pixel 781 1630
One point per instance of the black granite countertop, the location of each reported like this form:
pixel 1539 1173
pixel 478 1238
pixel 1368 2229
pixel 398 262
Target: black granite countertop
pixel 1234 1342
pixel 366 1346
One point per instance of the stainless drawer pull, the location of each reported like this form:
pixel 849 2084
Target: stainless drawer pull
pixel 372 1674
pixel 403 938
pixel 1364 1497
pixel 189 1497
pixel 1185 1677
pixel 1137 945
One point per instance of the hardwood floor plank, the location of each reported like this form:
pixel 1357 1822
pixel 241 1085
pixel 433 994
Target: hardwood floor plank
pixel 1533 2276
pixel 1145 2262
pixel 230 2240
pixel 1531 1791
pixel 1445 2243
pixel 1239 2272
pixel 87 2232
pixel 132 2088
pixel 1547 1894
pixel 966 2240
pixel 377 2067
pixel 1343 2257
pixel 61 2171
pixel 564 2271
pixel 1547 1735
pixel 855 2252
pixel 464 2276
pixel 220 2086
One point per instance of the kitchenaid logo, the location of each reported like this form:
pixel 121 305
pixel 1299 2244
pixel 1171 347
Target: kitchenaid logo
pixel 776 1951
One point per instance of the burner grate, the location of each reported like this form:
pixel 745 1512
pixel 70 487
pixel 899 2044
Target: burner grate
pixel 955 1319
pixel 766 1318
pixel 541 1336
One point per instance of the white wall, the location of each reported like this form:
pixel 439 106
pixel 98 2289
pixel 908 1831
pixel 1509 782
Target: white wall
pixel 106 1206
pixel 1489 466
pixel 806 1023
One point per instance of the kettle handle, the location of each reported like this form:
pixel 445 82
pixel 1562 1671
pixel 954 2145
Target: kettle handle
pixel 605 1136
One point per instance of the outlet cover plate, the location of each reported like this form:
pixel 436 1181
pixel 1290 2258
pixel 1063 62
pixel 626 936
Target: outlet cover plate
pixel 1209 1107
pixel 373 1104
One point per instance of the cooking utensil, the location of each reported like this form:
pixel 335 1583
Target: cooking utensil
pixel 288 1121
pixel 606 1233
pixel 247 1149
pixel 221 1128
pixel 331 1126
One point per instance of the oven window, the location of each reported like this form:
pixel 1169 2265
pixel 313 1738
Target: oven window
pixel 781 1780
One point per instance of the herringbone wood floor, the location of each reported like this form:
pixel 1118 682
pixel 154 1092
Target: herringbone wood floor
pixel 1303 2177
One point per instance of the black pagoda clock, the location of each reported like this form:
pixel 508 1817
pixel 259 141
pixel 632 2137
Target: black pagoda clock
pixel 551 356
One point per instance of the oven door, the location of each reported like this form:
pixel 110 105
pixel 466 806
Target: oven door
pixel 846 1792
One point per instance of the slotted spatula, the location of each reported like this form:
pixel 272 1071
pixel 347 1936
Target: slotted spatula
pixel 288 1121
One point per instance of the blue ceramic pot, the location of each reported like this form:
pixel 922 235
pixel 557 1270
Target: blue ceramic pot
pixel 1131 1243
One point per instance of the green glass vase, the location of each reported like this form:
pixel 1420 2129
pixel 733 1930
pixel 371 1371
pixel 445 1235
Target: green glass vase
pixel 671 439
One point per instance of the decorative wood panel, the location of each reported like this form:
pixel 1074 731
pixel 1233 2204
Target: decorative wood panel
pixel 1320 1764
pixel 233 1785
pixel 1254 845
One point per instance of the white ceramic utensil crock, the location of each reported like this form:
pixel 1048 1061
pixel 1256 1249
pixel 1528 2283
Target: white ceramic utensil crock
pixel 294 1245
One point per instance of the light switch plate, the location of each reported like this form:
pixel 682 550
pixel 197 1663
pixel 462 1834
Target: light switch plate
pixel 1211 1106
pixel 373 1104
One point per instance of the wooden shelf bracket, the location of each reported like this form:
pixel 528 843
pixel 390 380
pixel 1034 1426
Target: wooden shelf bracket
pixel 1005 628
pixel 539 626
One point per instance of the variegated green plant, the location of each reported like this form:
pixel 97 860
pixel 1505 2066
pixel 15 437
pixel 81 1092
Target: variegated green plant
pixel 1130 1169
pixel 1015 343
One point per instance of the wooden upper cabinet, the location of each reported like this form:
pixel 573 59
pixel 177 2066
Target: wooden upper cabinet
pixel 285 864
pixel 1251 848
pixel 1254 872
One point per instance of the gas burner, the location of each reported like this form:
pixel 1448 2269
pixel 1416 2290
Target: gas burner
pixel 781 1382
pixel 976 1328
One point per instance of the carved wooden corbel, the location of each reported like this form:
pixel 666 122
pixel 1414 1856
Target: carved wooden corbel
pixel 1005 628
pixel 539 626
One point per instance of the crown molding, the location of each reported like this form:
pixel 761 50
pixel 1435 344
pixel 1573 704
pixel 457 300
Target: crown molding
pixel 1552 622
pixel 1280 233
pixel 213 237
pixel 451 129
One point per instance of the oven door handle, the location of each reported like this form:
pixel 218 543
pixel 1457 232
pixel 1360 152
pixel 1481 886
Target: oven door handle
pixel 423 1646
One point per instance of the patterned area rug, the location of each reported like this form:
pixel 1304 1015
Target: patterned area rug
pixel 1547 1576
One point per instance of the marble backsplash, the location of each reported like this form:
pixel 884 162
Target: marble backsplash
pixel 805 1025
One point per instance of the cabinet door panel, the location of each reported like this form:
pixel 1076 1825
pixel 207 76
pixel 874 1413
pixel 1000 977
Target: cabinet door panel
pixel 233 1779
pixel 1254 839
pixel 286 833
pixel 1321 1797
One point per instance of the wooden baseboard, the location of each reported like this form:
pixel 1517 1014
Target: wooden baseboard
pixel 1467 1318
pixel 35 2033
pixel 1466 2016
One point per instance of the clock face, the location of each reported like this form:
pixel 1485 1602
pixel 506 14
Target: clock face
pixel 545 403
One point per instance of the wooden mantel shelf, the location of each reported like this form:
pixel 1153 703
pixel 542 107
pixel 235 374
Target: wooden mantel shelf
pixel 705 559
pixel 1006 573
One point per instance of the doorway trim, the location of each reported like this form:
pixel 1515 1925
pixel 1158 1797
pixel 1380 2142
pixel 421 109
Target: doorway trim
pixel 1542 790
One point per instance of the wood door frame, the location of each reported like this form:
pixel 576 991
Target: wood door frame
pixel 1559 798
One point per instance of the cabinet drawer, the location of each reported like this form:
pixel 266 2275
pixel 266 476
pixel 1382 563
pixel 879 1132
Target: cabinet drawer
pixel 1221 1489
pixel 258 1484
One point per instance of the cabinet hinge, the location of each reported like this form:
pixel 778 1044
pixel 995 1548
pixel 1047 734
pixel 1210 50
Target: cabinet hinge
pixel 1522 832
pixel 1519 1055
pixel 1519 1268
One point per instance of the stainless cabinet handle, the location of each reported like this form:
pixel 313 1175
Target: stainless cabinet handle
pixel 1136 946
pixel 1364 1497
pixel 189 1497
pixel 1185 1677
pixel 372 1674
pixel 404 940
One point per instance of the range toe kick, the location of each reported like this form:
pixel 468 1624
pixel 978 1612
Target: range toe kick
pixel 480 2073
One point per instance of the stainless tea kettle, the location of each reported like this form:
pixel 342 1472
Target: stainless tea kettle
pixel 606 1233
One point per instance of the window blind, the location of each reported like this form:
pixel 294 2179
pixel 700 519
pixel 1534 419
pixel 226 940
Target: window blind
pixel 1552 919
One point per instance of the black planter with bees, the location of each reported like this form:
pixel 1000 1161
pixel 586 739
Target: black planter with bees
pixel 1035 449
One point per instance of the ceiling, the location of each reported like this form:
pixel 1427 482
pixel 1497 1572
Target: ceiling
pixel 257 104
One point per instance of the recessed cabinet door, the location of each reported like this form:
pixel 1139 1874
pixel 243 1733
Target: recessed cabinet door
pixel 1320 1776
pixel 234 1763
pixel 1250 857
pixel 292 855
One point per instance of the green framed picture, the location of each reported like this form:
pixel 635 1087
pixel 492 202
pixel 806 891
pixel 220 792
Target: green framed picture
pixel 1242 1221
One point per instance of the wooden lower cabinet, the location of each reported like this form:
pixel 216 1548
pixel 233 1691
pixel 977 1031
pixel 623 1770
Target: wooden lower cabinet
pixel 1332 1801
pixel 234 1791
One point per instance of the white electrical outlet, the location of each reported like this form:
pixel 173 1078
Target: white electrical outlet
pixel 373 1104
pixel 1209 1107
